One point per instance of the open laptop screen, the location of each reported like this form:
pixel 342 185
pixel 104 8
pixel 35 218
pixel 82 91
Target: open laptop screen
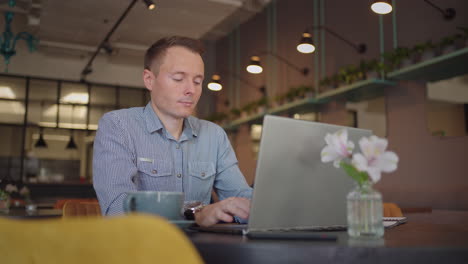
pixel 293 188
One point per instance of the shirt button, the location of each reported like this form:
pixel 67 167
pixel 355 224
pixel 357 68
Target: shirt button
pixel 154 171
pixel 203 174
pixel 177 147
pixel 179 175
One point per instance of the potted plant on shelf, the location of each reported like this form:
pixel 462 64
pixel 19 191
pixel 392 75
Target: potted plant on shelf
pixel 450 43
pixel 262 104
pixel 398 58
pixel 235 113
pixel 248 109
pixel 336 81
pixel 375 69
pixel 325 84
pixel 464 35
pixel 278 100
pixel 423 51
pixel 291 94
pixel 305 91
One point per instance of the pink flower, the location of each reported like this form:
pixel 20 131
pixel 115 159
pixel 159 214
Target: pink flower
pixel 338 147
pixel 374 159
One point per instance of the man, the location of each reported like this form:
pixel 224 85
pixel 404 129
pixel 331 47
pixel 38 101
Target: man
pixel 161 147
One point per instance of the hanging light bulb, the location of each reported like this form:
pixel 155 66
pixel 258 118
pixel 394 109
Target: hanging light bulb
pixel 306 45
pixel 254 66
pixel 40 143
pixel 215 85
pixel 149 4
pixel 382 7
pixel 71 144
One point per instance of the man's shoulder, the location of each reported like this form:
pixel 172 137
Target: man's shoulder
pixel 204 125
pixel 125 115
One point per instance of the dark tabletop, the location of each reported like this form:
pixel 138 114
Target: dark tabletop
pixel 437 237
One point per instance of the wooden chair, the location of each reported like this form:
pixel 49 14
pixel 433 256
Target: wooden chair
pixel 126 239
pixel 81 209
pixel 61 202
pixel 391 210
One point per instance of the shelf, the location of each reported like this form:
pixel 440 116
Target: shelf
pixel 246 120
pixel 357 91
pixel 295 106
pixel 435 69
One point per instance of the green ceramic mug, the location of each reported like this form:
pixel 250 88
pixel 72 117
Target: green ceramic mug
pixel 165 204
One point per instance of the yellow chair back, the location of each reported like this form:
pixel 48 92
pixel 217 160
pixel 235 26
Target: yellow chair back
pixel 120 240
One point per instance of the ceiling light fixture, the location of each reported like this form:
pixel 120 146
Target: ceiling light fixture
pixel 254 66
pixel 306 44
pixel 71 144
pixel 149 4
pixel 40 143
pixel 215 85
pixel 9 40
pixel 382 7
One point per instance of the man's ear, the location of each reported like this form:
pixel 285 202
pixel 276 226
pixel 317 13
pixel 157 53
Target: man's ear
pixel 148 79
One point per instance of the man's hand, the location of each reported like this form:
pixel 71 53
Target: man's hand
pixel 224 210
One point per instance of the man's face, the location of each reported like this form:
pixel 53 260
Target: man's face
pixel 176 88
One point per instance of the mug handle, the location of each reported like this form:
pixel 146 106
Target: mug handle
pixel 129 204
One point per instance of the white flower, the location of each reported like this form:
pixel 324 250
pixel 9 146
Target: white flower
pixel 375 159
pixel 337 148
pixel 11 188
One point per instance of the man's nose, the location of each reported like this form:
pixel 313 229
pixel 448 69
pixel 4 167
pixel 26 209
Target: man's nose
pixel 189 88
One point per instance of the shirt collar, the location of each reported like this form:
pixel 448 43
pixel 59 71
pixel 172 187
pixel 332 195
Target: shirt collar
pixel 151 118
pixel 153 123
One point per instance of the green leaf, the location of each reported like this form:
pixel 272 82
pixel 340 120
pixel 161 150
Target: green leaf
pixel 359 176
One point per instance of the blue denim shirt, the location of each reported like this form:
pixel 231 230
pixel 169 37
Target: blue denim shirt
pixel 133 151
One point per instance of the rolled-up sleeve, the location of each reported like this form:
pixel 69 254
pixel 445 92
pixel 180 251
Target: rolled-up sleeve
pixel 114 165
pixel 229 182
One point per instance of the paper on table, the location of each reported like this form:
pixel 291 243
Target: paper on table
pixel 390 222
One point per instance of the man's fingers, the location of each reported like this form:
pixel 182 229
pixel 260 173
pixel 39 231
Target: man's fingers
pixel 220 215
pixel 238 208
pixel 244 204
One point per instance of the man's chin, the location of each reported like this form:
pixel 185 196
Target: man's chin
pixel 185 114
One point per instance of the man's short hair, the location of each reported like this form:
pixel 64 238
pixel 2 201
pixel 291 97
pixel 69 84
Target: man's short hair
pixel 155 54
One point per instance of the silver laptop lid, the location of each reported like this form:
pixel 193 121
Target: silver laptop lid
pixel 293 188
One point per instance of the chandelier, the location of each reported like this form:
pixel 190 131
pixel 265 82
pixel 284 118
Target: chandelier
pixel 8 40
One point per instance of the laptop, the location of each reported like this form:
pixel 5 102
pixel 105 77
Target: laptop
pixel 293 189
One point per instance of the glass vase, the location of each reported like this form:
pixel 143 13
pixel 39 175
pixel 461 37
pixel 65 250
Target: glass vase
pixel 4 204
pixel 365 212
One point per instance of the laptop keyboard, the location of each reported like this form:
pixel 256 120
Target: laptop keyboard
pixel 311 229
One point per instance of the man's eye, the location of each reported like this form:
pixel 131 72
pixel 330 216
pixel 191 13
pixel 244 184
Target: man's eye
pixel 177 79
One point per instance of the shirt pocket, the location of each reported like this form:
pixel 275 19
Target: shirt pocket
pixel 202 170
pixel 160 168
pixel 201 179
pixel 155 176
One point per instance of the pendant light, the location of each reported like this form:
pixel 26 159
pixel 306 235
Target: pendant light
pixel 382 7
pixel 215 85
pixel 254 67
pixel 71 143
pixel 40 143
